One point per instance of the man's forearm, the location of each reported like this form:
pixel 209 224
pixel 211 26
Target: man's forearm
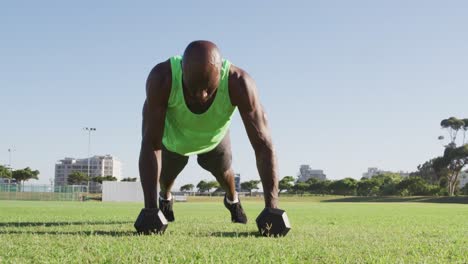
pixel 267 168
pixel 150 169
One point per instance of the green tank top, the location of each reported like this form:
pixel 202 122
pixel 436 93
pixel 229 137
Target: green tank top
pixel 188 133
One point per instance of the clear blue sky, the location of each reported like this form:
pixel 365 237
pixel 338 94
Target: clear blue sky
pixel 346 84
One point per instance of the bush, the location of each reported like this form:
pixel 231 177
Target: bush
pixel 415 186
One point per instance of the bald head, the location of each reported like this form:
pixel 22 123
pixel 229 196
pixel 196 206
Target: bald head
pixel 201 67
pixel 202 52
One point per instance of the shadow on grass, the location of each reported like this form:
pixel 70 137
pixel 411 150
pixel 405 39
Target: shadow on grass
pixel 235 234
pixel 396 199
pixel 77 233
pixel 48 224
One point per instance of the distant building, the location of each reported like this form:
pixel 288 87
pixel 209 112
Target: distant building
pixel 237 181
pixel 98 166
pixel 6 181
pixel 305 173
pixel 373 171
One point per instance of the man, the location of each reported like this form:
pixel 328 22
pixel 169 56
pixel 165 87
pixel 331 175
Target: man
pixel 189 104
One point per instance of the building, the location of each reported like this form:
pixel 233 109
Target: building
pixel 237 181
pixel 7 181
pixel 98 166
pixel 305 173
pixel 373 171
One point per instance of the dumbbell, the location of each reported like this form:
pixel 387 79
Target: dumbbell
pixel 150 220
pixel 273 222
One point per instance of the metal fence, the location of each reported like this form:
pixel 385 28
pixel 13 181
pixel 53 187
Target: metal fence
pixel 44 192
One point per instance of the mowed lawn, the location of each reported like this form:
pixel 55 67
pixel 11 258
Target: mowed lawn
pixel 322 232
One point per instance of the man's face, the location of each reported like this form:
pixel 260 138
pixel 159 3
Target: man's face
pixel 200 81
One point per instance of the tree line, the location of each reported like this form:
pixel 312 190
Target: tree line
pixel 385 184
pixel 438 176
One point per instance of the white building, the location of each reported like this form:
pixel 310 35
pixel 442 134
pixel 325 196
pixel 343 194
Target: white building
pixel 98 166
pixel 305 173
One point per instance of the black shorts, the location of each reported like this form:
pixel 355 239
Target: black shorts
pixel 217 160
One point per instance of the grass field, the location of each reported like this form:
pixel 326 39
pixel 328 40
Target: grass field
pixel 322 232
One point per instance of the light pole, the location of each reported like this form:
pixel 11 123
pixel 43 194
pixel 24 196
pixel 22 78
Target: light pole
pixel 10 150
pixel 89 129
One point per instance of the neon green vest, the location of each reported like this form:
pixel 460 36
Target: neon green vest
pixel 188 133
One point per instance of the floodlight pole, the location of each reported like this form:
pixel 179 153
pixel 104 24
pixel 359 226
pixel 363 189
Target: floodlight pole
pixel 89 129
pixel 10 150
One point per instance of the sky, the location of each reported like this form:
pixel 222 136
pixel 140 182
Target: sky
pixel 346 85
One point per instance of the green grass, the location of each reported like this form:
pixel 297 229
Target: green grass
pixel 322 232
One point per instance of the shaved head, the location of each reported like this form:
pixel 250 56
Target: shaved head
pixel 201 68
pixel 202 52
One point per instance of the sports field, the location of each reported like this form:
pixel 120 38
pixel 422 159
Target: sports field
pixel 323 232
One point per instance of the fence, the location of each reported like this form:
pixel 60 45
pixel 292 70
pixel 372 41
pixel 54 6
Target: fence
pixel 36 192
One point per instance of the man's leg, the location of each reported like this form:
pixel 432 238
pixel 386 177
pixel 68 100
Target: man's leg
pixel 172 165
pixel 218 161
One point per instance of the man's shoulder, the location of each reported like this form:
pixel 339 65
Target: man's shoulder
pixel 241 84
pixel 161 72
pixel 159 79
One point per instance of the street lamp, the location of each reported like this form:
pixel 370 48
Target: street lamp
pixel 89 129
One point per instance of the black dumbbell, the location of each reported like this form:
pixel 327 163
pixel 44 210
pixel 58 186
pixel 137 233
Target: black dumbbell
pixel 273 222
pixel 150 220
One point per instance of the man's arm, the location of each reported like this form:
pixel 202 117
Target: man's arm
pixel 154 113
pixel 243 93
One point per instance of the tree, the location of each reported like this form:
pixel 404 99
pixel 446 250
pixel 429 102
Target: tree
pixel 250 185
pixel 129 179
pixel 414 186
pixel 388 183
pixel 346 186
pixel 5 172
pixel 427 172
pixel 187 187
pixel 25 174
pixel 368 187
pixel 300 187
pixel 319 187
pixel 286 183
pixel 100 179
pixel 204 186
pixel 453 126
pixel 451 164
pixel 77 178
